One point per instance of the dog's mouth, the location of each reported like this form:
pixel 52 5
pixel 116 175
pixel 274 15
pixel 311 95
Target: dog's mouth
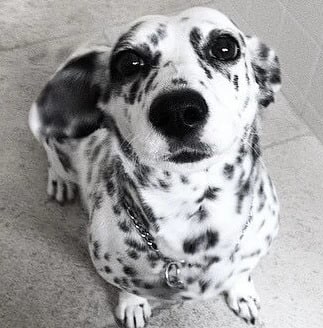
pixel 187 156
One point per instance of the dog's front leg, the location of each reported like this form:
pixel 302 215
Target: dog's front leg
pixel 242 298
pixel 132 311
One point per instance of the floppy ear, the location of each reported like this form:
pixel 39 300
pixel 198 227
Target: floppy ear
pixel 266 68
pixel 67 106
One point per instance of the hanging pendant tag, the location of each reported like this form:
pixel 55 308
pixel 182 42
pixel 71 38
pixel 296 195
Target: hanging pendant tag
pixel 172 274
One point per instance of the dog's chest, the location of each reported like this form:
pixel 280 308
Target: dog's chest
pixel 197 218
pixel 197 215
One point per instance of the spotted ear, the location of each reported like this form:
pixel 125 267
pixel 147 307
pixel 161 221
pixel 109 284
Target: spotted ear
pixel 266 68
pixel 67 106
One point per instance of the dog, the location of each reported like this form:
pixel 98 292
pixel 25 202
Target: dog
pixel 161 137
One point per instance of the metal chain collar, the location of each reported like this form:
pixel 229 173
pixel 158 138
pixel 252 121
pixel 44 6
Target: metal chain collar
pixel 172 268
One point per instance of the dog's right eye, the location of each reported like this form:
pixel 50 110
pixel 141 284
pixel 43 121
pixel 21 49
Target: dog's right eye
pixel 128 63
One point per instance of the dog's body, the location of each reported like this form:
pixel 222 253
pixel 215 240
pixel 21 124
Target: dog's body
pixel 195 182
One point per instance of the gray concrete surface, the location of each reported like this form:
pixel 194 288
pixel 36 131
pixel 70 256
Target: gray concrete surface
pixel 46 278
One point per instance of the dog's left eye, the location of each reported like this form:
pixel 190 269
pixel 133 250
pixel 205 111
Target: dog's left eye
pixel 129 63
pixel 225 48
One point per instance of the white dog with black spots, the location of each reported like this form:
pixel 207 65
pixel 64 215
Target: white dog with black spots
pixel 160 135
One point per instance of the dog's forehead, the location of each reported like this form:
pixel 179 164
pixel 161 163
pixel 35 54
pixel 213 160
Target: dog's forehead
pixel 157 27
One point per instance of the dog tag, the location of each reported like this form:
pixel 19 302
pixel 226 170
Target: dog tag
pixel 172 274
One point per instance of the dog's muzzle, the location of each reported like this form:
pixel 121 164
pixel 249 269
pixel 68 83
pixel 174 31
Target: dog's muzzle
pixel 178 114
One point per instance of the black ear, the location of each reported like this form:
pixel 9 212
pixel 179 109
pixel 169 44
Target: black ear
pixel 67 106
pixel 266 68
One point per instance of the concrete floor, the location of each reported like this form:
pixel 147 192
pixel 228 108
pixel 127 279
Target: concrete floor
pixel 46 278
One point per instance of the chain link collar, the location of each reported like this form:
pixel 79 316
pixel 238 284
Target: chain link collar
pixel 172 268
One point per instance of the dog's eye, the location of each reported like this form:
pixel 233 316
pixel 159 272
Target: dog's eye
pixel 128 63
pixel 225 48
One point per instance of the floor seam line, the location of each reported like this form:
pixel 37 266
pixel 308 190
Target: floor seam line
pixel 283 142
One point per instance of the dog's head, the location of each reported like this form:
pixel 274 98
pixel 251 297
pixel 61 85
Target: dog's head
pixel 187 87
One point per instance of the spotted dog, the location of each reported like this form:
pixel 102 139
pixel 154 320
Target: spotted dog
pixel 160 135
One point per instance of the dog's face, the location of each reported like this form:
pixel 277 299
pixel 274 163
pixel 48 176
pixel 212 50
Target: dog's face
pixel 187 87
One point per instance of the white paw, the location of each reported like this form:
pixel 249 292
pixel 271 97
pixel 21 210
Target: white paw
pixel 243 300
pixel 132 311
pixel 60 189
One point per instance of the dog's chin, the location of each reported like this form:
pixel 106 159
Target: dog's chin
pixel 187 156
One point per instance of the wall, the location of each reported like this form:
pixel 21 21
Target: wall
pixel 294 28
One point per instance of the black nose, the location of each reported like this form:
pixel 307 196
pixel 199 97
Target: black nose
pixel 179 113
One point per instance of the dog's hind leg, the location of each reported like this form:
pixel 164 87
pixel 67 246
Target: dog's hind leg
pixel 62 174
pixel 61 153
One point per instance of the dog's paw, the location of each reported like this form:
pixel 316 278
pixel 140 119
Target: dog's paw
pixel 132 311
pixel 59 189
pixel 243 300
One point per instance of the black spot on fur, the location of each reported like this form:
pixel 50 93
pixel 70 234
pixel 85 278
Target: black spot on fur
pixel 161 31
pixel 211 260
pixel 133 92
pixel 153 38
pixel 142 173
pixel 190 280
pixel 204 285
pixel 163 184
pixel 228 171
pixel 269 240
pixel 204 241
pixel 117 281
pixel 243 192
pixel 167 174
pixel 244 270
pixel 95 153
pixel 129 271
pixel 253 254
pixel 125 282
pixel 92 141
pixel 107 256
pixel 97 200
pixel 107 269
pixel 153 259
pixel 133 254
pixel 179 81
pixel 135 245
pixel 205 69
pixel 196 39
pixel 126 38
pixel 124 226
pixel 110 188
pixel 262 201
pixel 184 179
pixel 211 193
pixel 263 51
pixel 201 214
pixel 140 96
pixel 155 59
pixel 236 82
pixel 275 76
pixel 150 81
pixel 116 209
pixel 147 285
pixel 96 249
pixel 255 149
